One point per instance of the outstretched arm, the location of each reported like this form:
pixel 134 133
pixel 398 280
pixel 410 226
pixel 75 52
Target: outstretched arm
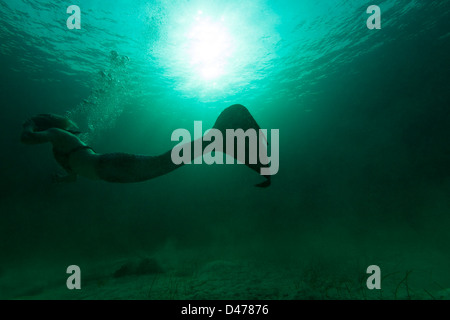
pixel 30 136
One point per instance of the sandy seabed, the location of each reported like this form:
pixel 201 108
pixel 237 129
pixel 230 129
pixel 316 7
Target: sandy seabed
pixel 157 278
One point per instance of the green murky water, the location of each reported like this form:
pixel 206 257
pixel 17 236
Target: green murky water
pixel 364 154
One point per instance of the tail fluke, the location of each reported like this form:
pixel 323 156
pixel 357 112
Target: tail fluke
pixel 238 117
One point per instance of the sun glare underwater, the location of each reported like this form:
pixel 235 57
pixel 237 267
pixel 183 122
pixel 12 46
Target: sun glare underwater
pixel 214 50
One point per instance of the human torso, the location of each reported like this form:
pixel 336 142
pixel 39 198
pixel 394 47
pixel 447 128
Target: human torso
pixel 65 146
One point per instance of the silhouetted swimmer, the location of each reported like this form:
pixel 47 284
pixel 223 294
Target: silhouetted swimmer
pixel 77 158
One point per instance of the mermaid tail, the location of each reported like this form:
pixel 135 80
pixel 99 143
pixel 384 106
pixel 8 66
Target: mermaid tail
pixel 125 168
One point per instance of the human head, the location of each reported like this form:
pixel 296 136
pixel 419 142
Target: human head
pixel 46 121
